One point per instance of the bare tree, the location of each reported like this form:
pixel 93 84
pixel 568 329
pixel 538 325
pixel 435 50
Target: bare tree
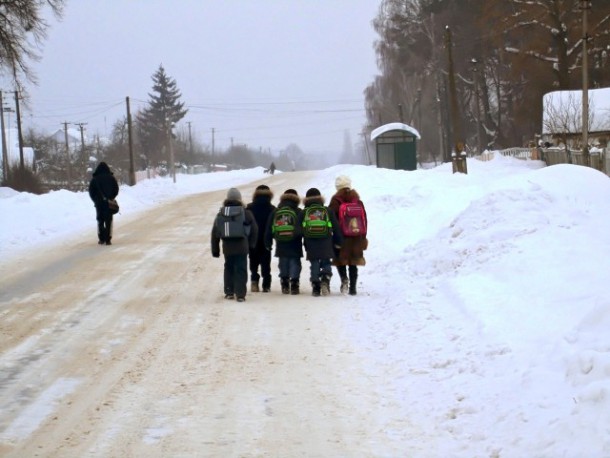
pixel 22 31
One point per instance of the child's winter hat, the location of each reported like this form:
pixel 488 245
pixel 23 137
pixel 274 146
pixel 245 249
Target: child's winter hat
pixel 313 192
pixel 291 191
pixel 343 181
pixel 233 194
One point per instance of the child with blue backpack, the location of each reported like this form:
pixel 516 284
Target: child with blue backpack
pixel 283 227
pixel 321 235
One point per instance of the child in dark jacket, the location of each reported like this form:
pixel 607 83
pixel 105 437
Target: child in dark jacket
pixel 351 254
pixel 320 249
pixel 235 250
pixel 261 207
pixel 289 250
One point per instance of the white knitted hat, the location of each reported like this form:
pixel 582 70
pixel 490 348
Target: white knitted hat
pixel 343 181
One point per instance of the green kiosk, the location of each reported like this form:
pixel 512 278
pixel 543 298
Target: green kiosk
pixel 396 146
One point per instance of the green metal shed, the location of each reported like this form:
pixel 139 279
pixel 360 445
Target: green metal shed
pixel 396 146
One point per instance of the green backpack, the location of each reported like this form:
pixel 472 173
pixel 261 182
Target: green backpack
pixel 316 222
pixel 284 224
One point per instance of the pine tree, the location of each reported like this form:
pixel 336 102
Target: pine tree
pixel 155 121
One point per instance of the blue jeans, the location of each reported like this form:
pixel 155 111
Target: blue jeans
pixel 290 267
pixel 319 268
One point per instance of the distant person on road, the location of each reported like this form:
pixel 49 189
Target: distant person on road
pixel 103 186
pixel 283 227
pixel 353 225
pixel 236 227
pixel 272 168
pixel 261 207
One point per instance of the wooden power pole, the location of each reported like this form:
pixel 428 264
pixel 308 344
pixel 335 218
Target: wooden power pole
pixel 458 155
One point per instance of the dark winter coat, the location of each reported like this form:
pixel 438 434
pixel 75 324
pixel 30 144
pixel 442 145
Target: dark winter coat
pixel 261 207
pixel 321 248
pixel 292 248
pixel 103 185
pixel 231 247
pixel 352 249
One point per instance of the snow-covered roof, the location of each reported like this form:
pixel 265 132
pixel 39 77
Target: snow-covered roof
pixel 394 126
pixel 566 108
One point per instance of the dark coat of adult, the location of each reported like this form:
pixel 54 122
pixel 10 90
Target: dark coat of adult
pixel 231 247
pixel 352 248
pixel 322 247
pixel 261 207
pixel 103 185
pixel 289 248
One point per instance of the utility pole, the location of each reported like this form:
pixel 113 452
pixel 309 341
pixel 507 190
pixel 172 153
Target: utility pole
pixel 458 155
pixel 366 146
pixel 400 116
pixel 20 136
pixel 190 139
pixel 5 165
pixel 170 149
pixel 475 74
pixel 212 146
pixel 585 5
pixel 132 170
pixel 81 126
pixel 69 168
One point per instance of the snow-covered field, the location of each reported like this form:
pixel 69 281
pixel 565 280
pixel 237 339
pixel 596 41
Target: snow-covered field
pixel 483 311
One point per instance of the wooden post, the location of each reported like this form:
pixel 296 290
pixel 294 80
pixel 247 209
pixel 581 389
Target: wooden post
pixel 458 159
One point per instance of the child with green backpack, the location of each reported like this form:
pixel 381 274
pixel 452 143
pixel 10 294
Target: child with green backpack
pixel 283 227
pixel 320 234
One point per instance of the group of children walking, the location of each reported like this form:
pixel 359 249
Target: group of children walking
pixel 331 235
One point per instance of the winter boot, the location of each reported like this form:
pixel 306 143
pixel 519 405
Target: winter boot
pixel 344 281
pixel 285 285
pixel 254 286
pixel 266 284
pixel 294 286
pixel 353 278
pixel 325 285
pixel 315 288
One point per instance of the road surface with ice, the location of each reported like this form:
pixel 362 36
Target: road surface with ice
pixel 131 350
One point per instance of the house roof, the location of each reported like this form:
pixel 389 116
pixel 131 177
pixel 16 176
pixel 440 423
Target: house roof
pixel 569 104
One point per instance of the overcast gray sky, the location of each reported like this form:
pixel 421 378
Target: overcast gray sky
pixel 264 73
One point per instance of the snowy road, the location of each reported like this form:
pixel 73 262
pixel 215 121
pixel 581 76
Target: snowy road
pixel 131 351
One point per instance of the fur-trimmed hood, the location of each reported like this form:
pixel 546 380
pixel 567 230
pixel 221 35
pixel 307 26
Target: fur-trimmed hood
pixel 289 197
pixel 313 200
pixel 262 194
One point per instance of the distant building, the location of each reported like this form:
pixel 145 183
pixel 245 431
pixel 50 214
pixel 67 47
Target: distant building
pixel 74 139
pixel 562 117
pixel 12 148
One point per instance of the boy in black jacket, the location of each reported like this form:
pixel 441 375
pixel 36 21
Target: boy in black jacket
pixel 289 249
pixel 319 241
pixel 235 250
pixel 261 207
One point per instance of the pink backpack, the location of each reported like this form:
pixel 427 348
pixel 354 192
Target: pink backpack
pixel 352 219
